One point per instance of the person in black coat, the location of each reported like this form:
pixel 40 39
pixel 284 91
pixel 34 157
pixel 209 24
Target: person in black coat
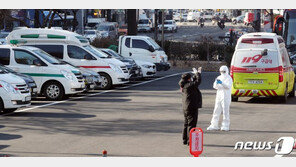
pixel 191 101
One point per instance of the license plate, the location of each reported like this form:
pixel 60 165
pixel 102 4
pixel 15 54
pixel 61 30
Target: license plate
pixel 255 81
pixel 28 98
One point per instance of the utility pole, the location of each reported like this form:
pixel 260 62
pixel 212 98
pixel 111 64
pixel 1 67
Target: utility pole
pixel 155 24
pixel 131 21
pixel 257 20
pixel 162 27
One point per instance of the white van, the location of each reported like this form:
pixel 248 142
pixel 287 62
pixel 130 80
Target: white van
pixel 14 93
pixel 261 66
pixel 54 79
pixel 75 49
pixel 193 16
pixel 144 25
pixel 143 48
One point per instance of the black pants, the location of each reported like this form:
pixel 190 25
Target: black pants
pixel 190 121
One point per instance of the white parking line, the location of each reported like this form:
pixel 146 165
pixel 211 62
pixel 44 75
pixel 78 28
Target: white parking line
pixel 94 94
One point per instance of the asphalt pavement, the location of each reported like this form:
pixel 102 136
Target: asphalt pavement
pixel 140 119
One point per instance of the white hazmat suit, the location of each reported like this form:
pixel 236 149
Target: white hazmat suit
pixel 223 84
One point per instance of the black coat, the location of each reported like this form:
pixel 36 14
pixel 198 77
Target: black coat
pixel 191 95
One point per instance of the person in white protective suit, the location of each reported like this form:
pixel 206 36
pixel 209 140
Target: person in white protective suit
pixel 223 84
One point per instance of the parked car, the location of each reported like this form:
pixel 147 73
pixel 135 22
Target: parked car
pixel 107 30
pixel 177 17
pixel 122 30
pixel 144 49
pixel 91 35
pixel 184 17
pixel 14 92
pixel 169 26
pixel 3 35
pixel 208 15
pixel 28 79
pixel 54 79
pixel 144 25
pixel 194 16
pixel 75 49
pixel 261 66
pixel 238 19
pixel 133 68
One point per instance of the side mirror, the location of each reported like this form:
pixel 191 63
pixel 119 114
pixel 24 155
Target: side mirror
pixel 37 62
pixel 151 49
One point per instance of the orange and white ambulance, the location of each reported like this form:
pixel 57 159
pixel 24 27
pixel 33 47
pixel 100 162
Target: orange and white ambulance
pixel 261 66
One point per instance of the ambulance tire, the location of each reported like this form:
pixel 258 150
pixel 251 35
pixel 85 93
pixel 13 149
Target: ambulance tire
pixel 284 98
pixel 292 93
pixel 106 81
pixel 234 99
pixel 51 86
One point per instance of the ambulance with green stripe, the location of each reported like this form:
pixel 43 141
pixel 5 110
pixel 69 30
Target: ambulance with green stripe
pixel 75 49
pixel 261 66
pixel 55 80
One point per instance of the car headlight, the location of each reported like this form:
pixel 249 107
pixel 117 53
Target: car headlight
pixel 8 87
pixel 115 68
pixel 146 66
pixel 68 75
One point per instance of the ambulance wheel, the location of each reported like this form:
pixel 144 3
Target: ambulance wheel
pixel 292 93
pixel 234 99
pixel 53 91
pixel 106 81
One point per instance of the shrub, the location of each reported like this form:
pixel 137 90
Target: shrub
pixel 104 42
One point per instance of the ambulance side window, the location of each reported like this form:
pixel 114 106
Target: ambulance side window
pixel 26 58
pixel 4 56
pixel 285 58
pixel 56 51
pixel 76 52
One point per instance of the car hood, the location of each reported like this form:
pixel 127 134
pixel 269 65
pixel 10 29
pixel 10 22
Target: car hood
pixel 85 70
pixel 11 78
pixel 140 62
pixel 113 61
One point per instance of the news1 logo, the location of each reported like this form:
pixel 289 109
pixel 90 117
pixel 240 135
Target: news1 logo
pixel 283 145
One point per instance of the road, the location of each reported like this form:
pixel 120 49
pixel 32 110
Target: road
pixel 190 31
pixel 139 120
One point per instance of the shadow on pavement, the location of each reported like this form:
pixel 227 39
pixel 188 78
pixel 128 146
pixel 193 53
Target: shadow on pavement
pixel 4 136
pixel 50 115
pixel 269 100
pixel 257 131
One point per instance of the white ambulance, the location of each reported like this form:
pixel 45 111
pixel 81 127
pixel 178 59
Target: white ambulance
pixel 54 79
pixel 14 93
pixel 75 49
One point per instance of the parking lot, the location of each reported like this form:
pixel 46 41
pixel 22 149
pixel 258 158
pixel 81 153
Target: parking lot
pixel 190 31
pixel 139 119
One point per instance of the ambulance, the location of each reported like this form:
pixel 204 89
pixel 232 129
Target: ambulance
pixel 261 67
pixel 55 80
pixel 75 49
pixel 14 92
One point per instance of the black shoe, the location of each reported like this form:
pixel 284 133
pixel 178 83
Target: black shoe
pixel 185 142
